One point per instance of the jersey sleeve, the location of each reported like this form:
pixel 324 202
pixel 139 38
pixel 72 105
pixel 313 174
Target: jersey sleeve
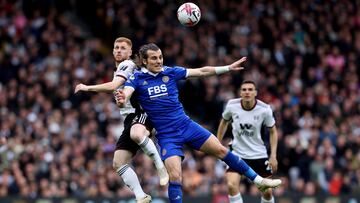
pixel 269 118
pixel 131 82
pixel 179 72
pixel 125 69
pixel 227 113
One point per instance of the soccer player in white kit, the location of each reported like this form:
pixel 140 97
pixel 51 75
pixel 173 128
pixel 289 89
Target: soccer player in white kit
pixel 247 116
pixel 137 127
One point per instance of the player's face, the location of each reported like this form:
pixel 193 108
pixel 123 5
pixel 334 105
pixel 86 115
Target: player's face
pixel 122 51
pixel 248 92
pixel 154 62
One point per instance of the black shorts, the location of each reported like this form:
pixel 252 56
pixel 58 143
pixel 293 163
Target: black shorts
pixel 125 142
pixel 260 166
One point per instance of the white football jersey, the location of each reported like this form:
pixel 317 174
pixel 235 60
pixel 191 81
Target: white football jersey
pixel 125 69
pixel 246 127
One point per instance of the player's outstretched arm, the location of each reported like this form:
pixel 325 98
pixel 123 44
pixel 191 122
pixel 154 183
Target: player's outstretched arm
pixel 105 87
pixel 122 96
pixel 216 70
pixel 222 129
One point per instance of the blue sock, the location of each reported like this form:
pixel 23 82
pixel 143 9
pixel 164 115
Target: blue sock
pixel 175 192
pixel 239 165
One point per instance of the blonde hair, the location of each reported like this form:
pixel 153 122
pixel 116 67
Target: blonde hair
pixel 124 39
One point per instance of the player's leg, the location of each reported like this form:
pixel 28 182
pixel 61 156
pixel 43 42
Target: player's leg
pixel 126 148
pixel 139 133
pixel 121 164
pixel 267 196
pixel 173 166
pixel 213 147
pixel 233 181
pixel 261 166
pixel 171 148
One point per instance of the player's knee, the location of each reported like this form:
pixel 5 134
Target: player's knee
pixel 137 134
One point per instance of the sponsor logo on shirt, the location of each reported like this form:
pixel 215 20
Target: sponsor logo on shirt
pixel 157 91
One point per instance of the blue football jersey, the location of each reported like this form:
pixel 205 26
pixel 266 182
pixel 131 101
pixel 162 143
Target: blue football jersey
pixel 158 96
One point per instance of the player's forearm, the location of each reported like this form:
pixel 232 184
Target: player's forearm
pixel 208 71
pixel 222 129
pixel 273 141
pixel 105 87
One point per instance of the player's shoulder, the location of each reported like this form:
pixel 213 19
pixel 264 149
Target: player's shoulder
pixel 128 62
pixel 123 65
pixel 262 104
pixel 233 102
pixel 173 68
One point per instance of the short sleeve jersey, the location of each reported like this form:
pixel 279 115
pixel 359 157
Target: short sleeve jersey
pixel 246 127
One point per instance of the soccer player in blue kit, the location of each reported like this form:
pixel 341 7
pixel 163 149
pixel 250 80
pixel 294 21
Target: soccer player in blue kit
pixel 156 89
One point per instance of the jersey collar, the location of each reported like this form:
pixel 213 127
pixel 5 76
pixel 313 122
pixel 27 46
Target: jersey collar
pixel 250 108
pixel 144 70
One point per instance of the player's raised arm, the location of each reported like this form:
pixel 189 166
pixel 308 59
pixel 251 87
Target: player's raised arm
pixel 105 87
pixel 212 70
pixel 122 96
pixel 222 129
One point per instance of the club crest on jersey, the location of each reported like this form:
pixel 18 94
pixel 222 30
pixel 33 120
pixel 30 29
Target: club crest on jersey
pixel 165 79
pixel 163 152
pixel 132 77
pixel 145 83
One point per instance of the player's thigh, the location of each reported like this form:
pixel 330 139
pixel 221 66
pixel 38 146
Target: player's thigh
pixel 122 157
pixel 173 166
pixel 233 180
pixel 213 147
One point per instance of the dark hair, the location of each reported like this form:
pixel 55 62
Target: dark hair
pixel 143 53
pixel 248 82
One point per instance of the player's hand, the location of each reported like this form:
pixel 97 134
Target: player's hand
pixel 236 66
pixel 119 97
pixel 273 163
pixel 80 87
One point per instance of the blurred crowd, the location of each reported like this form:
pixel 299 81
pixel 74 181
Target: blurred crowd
pixel 303 55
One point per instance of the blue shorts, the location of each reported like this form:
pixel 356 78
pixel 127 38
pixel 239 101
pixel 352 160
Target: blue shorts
pixel 172 141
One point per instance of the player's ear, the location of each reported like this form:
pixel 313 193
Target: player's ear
pixel 255 92
pixel 144 61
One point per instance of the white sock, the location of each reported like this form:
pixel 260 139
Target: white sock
pixel 148 146
pixel 267 201
pixel 131 180
pixel 236 198
pixel 258 179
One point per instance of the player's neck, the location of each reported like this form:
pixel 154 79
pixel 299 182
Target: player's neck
pixel 248 105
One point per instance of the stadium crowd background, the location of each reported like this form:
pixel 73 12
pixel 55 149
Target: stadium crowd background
pixel 304 56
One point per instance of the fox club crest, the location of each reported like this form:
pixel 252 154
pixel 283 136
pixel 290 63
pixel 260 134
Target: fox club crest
pixel 165 79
